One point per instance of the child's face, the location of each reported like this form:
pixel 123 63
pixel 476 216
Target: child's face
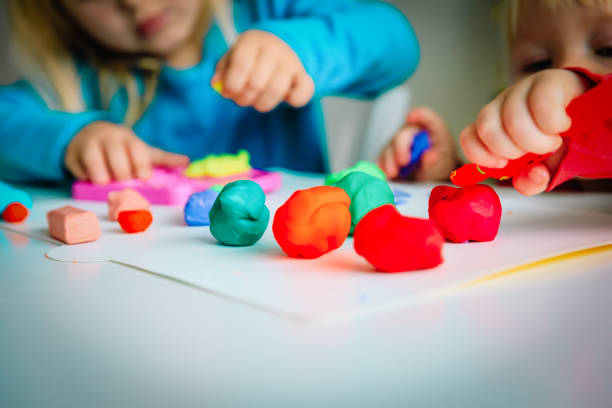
pixel 155 27
pixel 565 36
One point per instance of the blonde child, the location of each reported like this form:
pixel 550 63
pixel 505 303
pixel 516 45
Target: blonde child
pixel 114 87
pixel 544 36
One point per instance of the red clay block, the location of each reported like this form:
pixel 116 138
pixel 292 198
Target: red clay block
pixel 127 199
pixel 470 213
pixel 392 242
pixel 73 225
pixel 135 221
pixel 313 221
pixel 15 212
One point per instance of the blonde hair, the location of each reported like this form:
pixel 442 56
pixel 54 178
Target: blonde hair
pixel 508 12
pixel 46 43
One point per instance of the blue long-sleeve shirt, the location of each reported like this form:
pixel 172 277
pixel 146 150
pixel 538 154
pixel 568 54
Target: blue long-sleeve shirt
pixel 349 47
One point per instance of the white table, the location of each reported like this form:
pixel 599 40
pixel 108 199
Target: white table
pixel 102 334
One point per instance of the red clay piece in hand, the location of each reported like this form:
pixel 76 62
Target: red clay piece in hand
pixel 135 221
pixel 313 222
pixel 464 214
pixel 470 174
pixel 392 242
pixel 15 212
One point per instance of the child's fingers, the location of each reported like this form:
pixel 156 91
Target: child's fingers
pixel 118 159
pixel 220 69
pixel 259 78
pixel 476 151
pixel 95 164
pixel 388 164
pixel 401 143
pixel 425 117
pixel 275 92
pixel 141 159
pixel 492 133
pixel 301 91
pixel 241 61
pixel 166 159
pixel 520 125
pixel 533 181
pixel 74 166
pixel 548 99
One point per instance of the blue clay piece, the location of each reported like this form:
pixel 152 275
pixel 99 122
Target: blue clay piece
pixel 9 194
pixel 239 216
pixel 198 206
pixel 420 144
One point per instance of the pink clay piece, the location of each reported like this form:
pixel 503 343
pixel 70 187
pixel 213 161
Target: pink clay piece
pixel 127 199
pixel 72 225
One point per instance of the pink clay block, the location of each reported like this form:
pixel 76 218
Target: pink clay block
pixel 125 200
pixel 72 225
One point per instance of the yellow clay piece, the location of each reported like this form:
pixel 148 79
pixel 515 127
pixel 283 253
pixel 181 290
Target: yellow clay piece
pixel 222 165
pixel 218 87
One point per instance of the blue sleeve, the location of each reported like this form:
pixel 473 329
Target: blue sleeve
pixel 33 138
pixel 349 47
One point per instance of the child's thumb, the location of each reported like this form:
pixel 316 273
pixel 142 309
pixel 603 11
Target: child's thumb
pixel 166 159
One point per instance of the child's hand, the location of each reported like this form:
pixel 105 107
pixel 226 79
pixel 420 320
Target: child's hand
pixel 103 151
pixel 527 117
pixel 436 163
pixel 261 70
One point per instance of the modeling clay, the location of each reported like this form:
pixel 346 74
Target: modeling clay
pixel 470 213
pixel 589 150
pixel 239 216
pixel 222 165
pixel 394 243
pixel 470 174
pixel 72 225
pixel 366 193
pixel 218 86
pixel 420 144
pixel 362 166
pixel 313 221
pixel 170 186
pixel 135 221
pixel 125 200
pixel 14 204
pixel 198 206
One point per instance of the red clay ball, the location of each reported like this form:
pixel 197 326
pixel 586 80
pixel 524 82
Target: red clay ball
pixel 15 212
pixel 471 213
pixel 392 242
pixel 135 221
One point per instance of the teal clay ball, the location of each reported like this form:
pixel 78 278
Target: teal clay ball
pixel 362 166
pixel 366 192
pixel 239 216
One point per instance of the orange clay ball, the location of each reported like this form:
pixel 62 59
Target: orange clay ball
pixel 15 212
pixel 135 221
pixel 313 222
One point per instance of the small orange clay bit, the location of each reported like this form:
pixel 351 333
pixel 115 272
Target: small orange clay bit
pixel 15 212
pixel 135 221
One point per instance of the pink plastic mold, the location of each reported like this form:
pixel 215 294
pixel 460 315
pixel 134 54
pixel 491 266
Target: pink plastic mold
pixel 170 187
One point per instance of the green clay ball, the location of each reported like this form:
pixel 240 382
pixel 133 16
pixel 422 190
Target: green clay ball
pixel 239 216
pixel 366 192
pixel 362 166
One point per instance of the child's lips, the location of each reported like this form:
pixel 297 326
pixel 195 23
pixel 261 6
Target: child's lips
pixel 152 24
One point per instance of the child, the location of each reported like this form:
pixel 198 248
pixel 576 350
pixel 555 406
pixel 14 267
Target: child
pixel 115 86
pixel 543 37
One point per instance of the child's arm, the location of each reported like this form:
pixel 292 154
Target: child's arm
pixel 345 47
pixel 527 117
pixel 37 143
pixel 436 163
